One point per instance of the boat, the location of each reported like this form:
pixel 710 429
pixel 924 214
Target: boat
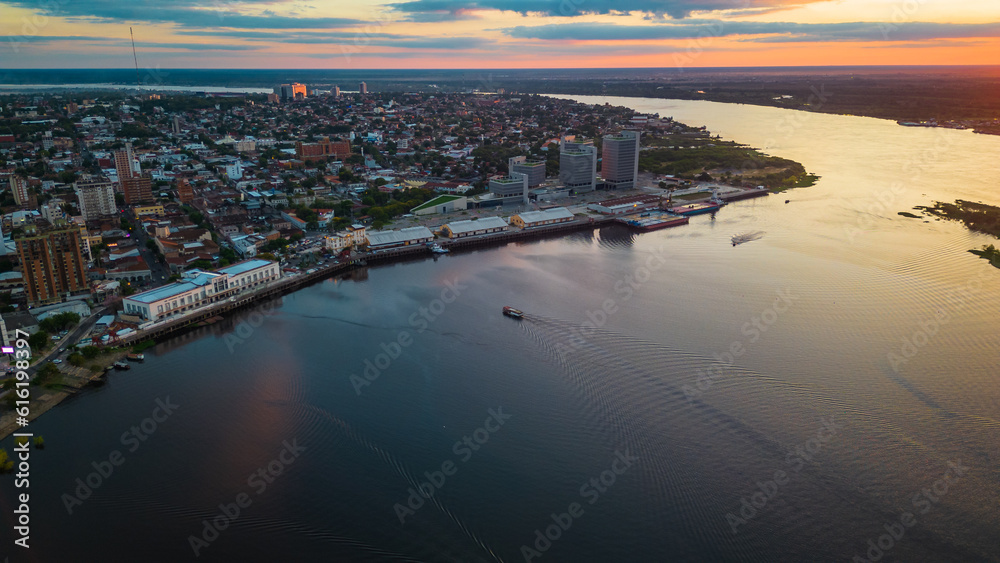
pixel 695 208
pixel 513 313
pixel 437 248
pixel 135 357
pixel 746 237
pixel 122 365
pixel 652 220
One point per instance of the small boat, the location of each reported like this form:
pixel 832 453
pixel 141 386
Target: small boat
pixel 513 313
pixel 438 249
pixel 746 237
pixel 122 365
pixel 135 357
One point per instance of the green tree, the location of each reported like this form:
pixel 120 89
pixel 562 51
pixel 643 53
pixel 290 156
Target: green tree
pixel 39 341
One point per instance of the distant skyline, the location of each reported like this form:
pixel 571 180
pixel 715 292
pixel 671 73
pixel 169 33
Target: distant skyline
pixel 497 33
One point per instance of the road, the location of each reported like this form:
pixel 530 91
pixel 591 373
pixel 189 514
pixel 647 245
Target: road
pixel 159 270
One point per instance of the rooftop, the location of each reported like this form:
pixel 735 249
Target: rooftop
pixel 244 267
pixel 546 215
pixel 382 238
pixel 436 201
pixel 472 225
pixel 165 292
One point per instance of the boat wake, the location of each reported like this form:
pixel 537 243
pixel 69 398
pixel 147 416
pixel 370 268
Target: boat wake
pixel 747 237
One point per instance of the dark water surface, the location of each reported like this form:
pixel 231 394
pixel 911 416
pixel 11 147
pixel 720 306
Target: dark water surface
pixel 835 366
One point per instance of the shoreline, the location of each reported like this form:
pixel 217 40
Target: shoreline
pixel 74 379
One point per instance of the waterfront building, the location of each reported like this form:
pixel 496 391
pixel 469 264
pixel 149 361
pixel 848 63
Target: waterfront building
pixel 474 227
pixel 620 165
pixel 633 204
pixel 442 204
pixel 337 242
pixel 534 170
pixel 198 288
pixel 52 263
pixel 578 165
pixel 512 189
pixel 358 236
pixel 552 216
pixel 380 240
pixel 96 197
pixel 363 88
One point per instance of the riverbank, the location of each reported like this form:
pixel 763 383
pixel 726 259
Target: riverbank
pixel 73 379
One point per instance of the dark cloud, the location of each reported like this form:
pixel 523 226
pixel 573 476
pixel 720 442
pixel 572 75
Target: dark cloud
pixel 361 37
pixel 187 13
pixel 761 32
pixel 436 10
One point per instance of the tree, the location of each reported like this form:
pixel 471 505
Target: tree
pixel 55 323
pixel 5 463
pixel 39 341
pixel 48 374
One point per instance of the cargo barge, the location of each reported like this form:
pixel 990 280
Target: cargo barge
pixel 746 194
pixel 653 220
pixel 695 208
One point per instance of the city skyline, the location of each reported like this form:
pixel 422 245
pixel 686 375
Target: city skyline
pixel 499 34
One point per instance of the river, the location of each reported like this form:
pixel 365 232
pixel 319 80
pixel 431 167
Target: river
pixel 826 393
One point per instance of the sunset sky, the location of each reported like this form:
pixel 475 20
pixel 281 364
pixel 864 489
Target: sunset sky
pixel 496 33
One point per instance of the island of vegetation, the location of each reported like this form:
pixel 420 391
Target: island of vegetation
pixel 977 217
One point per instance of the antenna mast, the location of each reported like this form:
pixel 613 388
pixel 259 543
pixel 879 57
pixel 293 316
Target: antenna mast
pixel 134 57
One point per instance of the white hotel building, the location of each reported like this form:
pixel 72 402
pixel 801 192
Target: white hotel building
pixel 198 288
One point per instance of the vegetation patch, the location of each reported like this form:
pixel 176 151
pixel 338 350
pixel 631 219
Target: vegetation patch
pixel 989 252
pixel 977 217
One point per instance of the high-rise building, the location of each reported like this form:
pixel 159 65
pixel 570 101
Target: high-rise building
pixel 97 198
pixel 19 187
pixel 52 263
pixel 512 189
pixel 363 88
pixel 336 91
pixel 578 165
pixel 125 163
pixel 324 147
pixel 620 167
pixel 273 98
pixel 294 91
pixel 184 191
pixel 175 124
pixel 535 170
pixel 138 189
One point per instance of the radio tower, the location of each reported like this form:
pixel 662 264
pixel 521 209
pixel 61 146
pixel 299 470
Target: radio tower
pixel 134 57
